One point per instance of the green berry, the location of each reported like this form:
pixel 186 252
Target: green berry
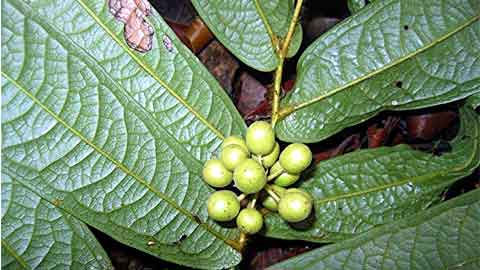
pixel 232 155
pixel 260 138
pixel 269 202
pixel 295 158
pixel 270 159
pixel 249 177
pixel 250 221
pixel 295 206
pixel 234 139
pixel 290 190
pixel 223 205
pixel 286 179
pixel 215 174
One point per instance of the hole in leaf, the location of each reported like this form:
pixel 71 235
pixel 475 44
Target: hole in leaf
pixel 405 27
pixel 398 84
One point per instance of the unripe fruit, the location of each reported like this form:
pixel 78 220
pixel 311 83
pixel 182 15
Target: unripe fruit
pixel 290 190
pixel 223 205
pixel 285 179
pixel 294 206
pixel 250 221
pixel 295 158
pixel 232 155
pixel 260 138
pixel 234 139
pixel 269 202
pixel 215 174
pixel 270 159
pixel 249 177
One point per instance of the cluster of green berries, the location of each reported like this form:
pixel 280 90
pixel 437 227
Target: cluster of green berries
pixel 251 164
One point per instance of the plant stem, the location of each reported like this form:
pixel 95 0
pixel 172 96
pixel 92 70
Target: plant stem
pixel 241 197
pixel 274 175
pixel 272 193
pixel 276 91
pixel 282 54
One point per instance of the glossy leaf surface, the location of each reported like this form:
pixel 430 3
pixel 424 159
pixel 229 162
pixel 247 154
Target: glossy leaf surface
pixel 248 27
pixel 118 137
pixel 392 55
pixel 444 237
pixel 38 235
pixel 358 191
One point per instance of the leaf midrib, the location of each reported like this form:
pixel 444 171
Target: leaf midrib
pixel 120 165
pixel 16 256
pixel 268 27
pixel 145 67
pixel 293 108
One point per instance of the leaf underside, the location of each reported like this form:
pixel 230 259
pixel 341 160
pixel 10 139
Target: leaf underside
pixel 37 235
pixel 392 55
pixel 358 191
pixel 242 26
pixel 444 237
pixel 117 137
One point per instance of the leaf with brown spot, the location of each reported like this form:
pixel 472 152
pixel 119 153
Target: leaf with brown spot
pixel 138 32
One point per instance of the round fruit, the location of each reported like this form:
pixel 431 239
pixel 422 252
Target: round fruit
pixel 249 177
pixel 270 159
pixel 290 190
pixel 286 179
pixel 250 221
pixel 294 206
pixel 295 158
pixel 260 138
pixel 232 155
pixel 223 205
pixel 269 202
pixel 215 174
pixel 234 139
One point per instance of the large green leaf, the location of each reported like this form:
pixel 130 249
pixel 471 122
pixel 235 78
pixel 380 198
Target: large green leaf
pixel 444 237
pixel 395 55
pixel 117 137
pixel 243 27
pixel 366 188
pixel 37 235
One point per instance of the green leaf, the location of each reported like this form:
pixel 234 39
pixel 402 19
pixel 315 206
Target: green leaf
pixel 249 28
pixel 444 237
pixel 38 235
pixel 355 5
pixel 474 100
pixel 357 191
pixel 118 137
pixel 393 55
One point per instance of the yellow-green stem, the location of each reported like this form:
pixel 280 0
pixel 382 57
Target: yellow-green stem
pixel 274 175
pixel 282 54
pixel 272 193
pixel 241 197
pixel 276 91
